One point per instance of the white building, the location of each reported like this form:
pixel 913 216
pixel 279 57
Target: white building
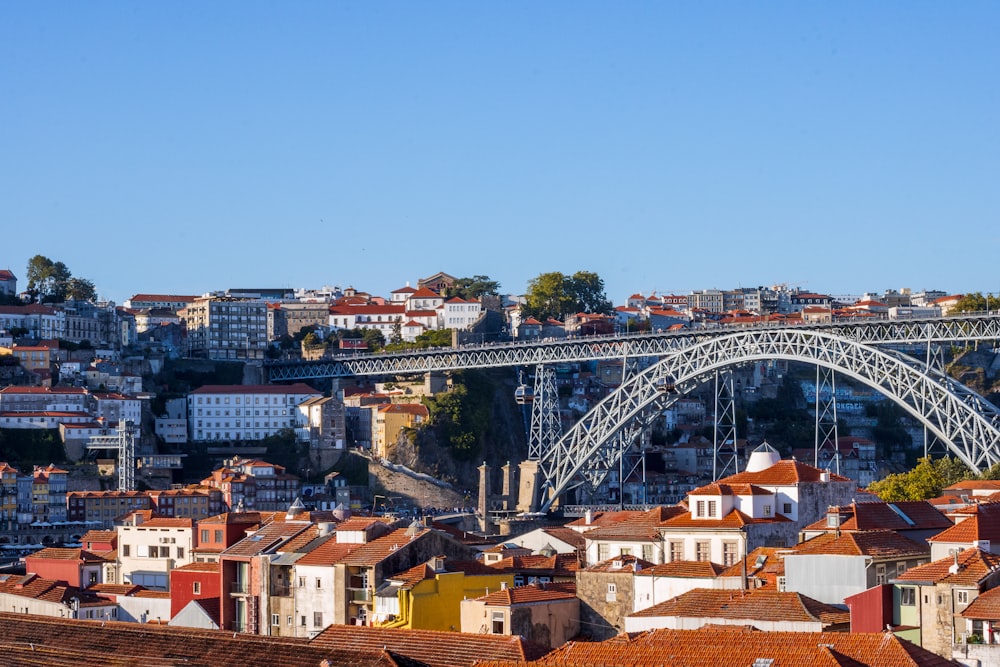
pixel 148 548
pixel 245 412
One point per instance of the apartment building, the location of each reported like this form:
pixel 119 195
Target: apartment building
pixel 244 412
pixel 220 327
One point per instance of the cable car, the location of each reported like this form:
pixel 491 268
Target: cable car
pixel 666 385
pixel 524 395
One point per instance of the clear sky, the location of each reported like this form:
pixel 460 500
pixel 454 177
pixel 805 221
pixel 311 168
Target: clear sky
pixel 183 147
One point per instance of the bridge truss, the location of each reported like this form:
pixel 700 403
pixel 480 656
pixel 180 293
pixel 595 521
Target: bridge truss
pixel 965 421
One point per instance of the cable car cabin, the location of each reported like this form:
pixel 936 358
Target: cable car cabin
pixel 524 395
pixel 666 385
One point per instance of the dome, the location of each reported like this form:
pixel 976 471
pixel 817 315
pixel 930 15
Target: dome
pixel 762 458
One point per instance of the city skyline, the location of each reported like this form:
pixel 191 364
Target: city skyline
pixel 667 148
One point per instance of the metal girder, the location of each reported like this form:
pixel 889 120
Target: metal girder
pixel 546 424
pixel 967 422
pixel 884 332
pixel 826 414
pixel 724 461
pixel 124 443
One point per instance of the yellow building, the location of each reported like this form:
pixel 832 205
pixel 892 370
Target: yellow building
pixel 429 596
pixel 8 496
pixel 390 419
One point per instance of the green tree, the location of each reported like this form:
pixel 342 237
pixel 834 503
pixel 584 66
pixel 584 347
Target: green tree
pixel 472 288
pixel 556 295
pixel 977 303
pixel 50 282
pixel 927 480
pixel 81 289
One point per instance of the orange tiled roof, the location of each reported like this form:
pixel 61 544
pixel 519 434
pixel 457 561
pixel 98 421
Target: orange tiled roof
pixel 327 553
pixel 684 569
pixel 740 647
pixel 985 607
pixel 782 473
pixel 758 605
pixel 974 565
pixel 507 597
pixel 874 543
pixel 377 550
pixel 636 526
pixel 876 515
pixel 983 524
pixel 620 564
pixel 430 647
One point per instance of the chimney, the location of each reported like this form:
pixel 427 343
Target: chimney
pixel 588 517
pixel 954 567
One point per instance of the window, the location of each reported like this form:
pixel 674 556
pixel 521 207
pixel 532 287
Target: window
pixel 125 550
pixel 767 510
pixel 729 553
pixel 180 553
pixel 700 508
pixel 786 508
pixel 319 583
pixel 196 588
pixel 908 596
pixel 602 552
pixel 880 573
pixel 302 582
pixel 218 537
pixel 711 508
pixel 676 550
pixel 647 552
pixel 703 550
pixel 289 619
pixel 317 619
pixel 302 620
pixel 612 592
pixel 275 619
pixel 497 623
pixel 962 597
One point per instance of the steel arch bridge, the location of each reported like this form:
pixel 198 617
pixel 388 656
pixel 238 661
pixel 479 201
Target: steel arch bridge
pixel 966 422
pixel 882 333
pixel 963 420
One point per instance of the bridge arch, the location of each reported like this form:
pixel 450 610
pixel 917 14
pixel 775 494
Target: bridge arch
pixel 965 421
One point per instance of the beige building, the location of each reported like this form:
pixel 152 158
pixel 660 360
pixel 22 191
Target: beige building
pixel 547 614
pixel 226 328
pixel 149 548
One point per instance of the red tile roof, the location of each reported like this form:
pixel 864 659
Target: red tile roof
pixel 430 647
pixel 530 594
pixel 684 569
pixel 983 524
pixel 876 515
pixel 974 565
pixel 874 543
pixel 985 607
pixel 739 647
pixel 756 605
pixel 782 473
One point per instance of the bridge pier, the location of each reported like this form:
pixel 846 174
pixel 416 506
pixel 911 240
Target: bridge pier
pixel 530 474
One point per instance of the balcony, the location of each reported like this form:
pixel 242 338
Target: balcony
pixel 239 588
pixel 360 594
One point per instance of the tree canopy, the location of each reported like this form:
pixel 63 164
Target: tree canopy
pixel 926 480
pixel 52 282
pixel 976 302
pixel 556 295
pixel 472 288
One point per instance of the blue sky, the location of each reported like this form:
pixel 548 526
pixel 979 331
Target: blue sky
pixel 183 147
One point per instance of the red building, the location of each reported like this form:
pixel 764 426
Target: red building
pixel 76 567
pixel 218 533
pixel 871 610
pixel 194 581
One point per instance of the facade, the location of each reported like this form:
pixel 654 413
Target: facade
pixel 606 594
pixel 244 412
pixel 220 327
pixel 254 485
pixel 149 548
pixel 546 615
pixel 831 567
